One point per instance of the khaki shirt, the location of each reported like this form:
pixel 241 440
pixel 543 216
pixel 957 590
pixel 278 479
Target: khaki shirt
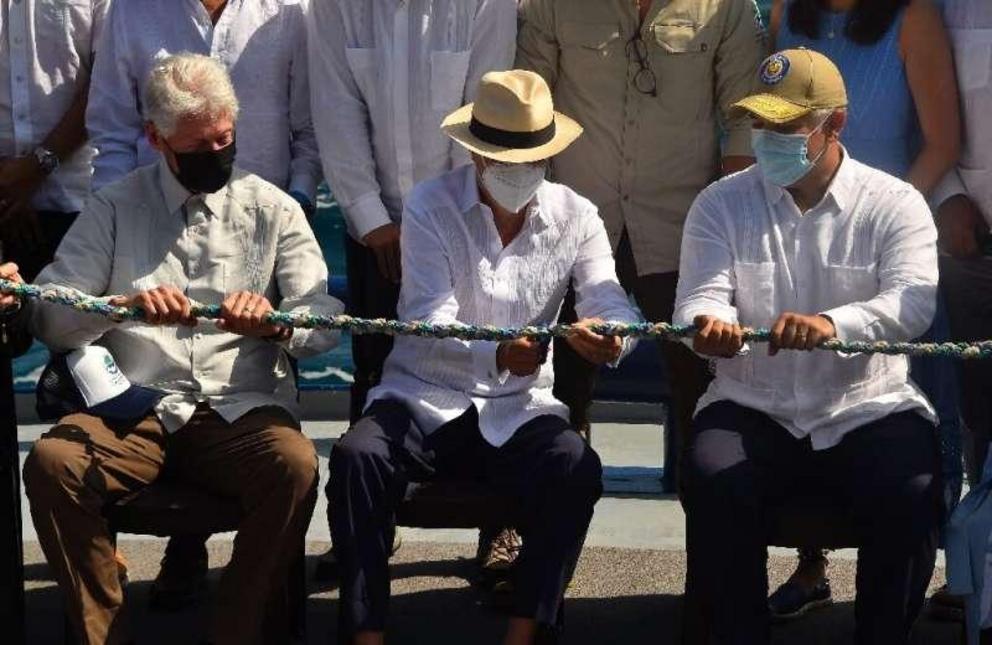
pixel 642 159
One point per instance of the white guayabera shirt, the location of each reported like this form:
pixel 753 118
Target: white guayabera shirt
pixel 866 256
pixel 384 74
pixel 147 231
pixel 262 43
pixel 455 269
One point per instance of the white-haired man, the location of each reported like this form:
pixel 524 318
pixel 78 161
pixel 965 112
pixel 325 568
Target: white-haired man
pixel 486 244
pixel 263 45
pixel 815 246
pixel 188 228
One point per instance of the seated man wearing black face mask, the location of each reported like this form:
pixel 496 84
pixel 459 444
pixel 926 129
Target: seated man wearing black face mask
pixel 815 246
pixel 487 244
pixel 191 228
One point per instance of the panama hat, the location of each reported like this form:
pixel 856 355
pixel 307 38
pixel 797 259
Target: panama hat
pixel 512 120
pixel 796 82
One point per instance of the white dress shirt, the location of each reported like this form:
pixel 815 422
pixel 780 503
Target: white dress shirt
pixel 384 75
pixel 46 54
pixel 969 23
pixel 263 45
pixel 146 231
pixel 865 256
pixel 455 269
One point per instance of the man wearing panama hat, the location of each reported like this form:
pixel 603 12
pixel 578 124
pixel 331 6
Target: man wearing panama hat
pixel 490 243
pixel 813 245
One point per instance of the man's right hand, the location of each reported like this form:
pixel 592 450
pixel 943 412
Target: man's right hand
pixel 385 244
pixel 520 357
pixel 165 305
pixel 959 224
pixel 9 272
pixel 717 338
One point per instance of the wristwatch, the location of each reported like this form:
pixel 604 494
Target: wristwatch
pixel 48 161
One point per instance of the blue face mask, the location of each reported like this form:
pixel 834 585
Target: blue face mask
pixel 783 157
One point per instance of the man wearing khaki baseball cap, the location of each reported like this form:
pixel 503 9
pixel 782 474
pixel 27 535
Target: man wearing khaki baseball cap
pixel 815 246
pixel 490 243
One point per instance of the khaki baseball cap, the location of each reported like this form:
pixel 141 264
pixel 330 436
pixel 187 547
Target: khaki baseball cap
pixel 796 82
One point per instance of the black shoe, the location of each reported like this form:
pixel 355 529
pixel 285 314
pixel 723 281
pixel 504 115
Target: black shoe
pixel 182 577
pixel 790 600
pixel 944 607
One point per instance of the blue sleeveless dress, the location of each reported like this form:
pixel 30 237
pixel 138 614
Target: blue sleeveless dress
pixel 882 129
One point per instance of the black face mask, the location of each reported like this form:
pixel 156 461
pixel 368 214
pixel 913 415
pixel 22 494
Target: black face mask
pixel 205 172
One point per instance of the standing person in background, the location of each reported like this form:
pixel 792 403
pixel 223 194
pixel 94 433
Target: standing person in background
pixel 384 74
pixel 262 43
pixel 963 204
pixel 895 57
pixel 46 55
pixel 652 84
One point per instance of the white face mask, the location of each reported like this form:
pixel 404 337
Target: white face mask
pixel 513 186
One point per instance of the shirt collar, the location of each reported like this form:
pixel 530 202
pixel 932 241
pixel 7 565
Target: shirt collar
pixel 176 196
pixel 470 200
pixel 839 189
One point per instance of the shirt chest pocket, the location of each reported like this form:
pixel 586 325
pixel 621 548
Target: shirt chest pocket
pixel 754 295
pixel 681 57
pixel 584 44
pixel 850 284
pixel 449 69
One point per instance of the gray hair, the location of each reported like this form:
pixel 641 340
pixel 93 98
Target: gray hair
pixel 188 85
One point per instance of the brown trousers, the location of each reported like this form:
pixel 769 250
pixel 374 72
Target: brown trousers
pixel 84 462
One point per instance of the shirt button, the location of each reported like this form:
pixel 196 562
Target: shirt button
pixel 20 79
pixel 626 198
pixel 630 122
pixel 17 40
pixel 22 117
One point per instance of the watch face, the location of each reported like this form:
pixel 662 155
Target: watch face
pixel 47 159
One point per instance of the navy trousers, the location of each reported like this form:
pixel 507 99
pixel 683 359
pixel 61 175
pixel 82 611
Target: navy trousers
pixel 547 466
pixel 742 467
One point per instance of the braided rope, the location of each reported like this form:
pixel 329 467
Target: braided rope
pixel 99 306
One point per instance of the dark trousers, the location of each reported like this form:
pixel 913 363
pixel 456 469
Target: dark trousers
pixel 967 289
pixel 575 378
pixel 742 468
pixel 556 476
pixel 31 259
pixel 370 296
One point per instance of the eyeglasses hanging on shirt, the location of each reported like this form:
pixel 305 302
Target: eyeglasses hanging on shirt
pixel 644 79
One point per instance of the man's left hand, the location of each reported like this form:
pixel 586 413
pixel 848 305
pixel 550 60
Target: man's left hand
pixel 244 312
pixel 598 350
pixel 798 331
pixel 20 177
pixel 9 271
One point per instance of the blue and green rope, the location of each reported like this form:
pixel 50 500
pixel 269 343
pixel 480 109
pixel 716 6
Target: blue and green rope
pixel 660 330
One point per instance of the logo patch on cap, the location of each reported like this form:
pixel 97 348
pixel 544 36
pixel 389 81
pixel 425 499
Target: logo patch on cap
pixel 774 69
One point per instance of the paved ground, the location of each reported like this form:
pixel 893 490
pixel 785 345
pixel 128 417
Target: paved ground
pixel 622 596
pixel 627 587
